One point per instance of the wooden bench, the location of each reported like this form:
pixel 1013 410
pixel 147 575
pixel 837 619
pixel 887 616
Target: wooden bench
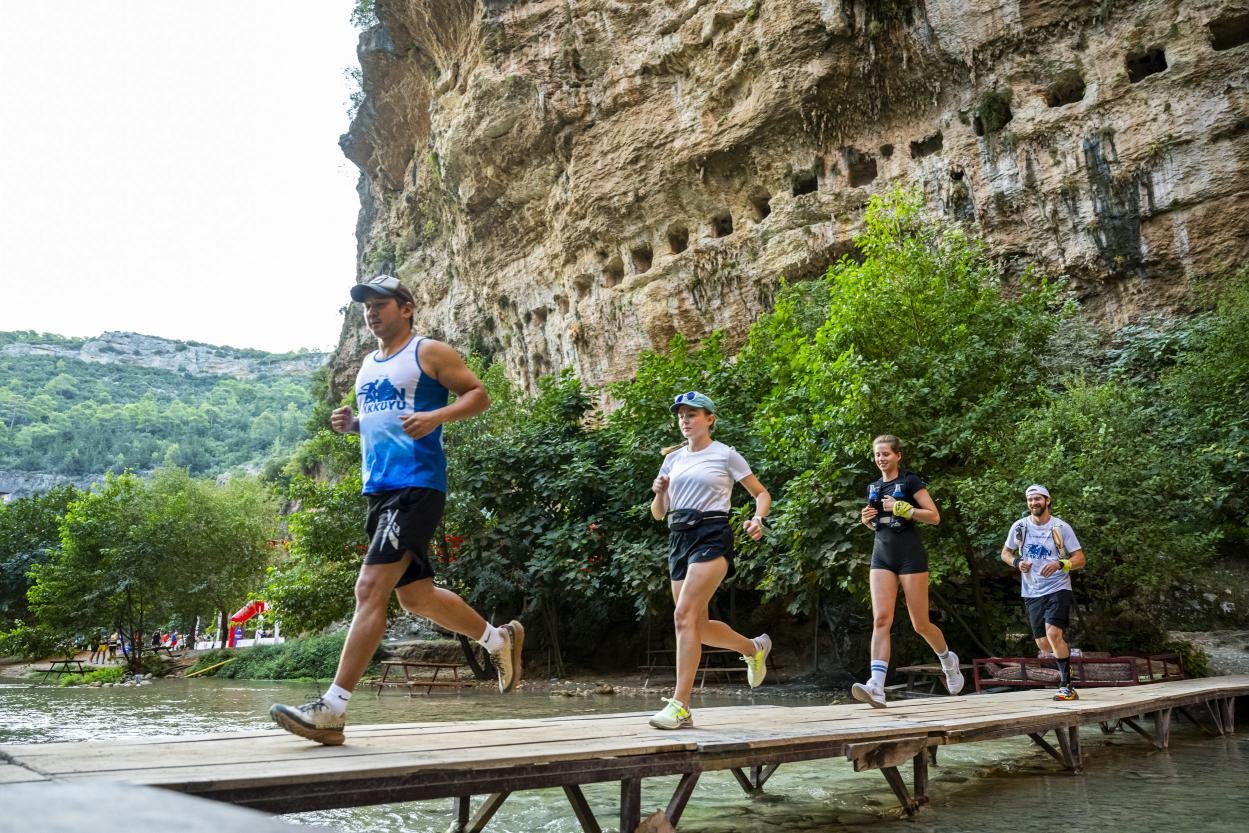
pixel 413 682
pixel 1088 670
pixel 927 679
pixel 714 661
pixel 64 668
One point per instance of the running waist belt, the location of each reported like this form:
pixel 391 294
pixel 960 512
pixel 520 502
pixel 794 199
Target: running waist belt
pixel 679 520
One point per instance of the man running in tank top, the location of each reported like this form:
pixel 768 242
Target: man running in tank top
pixel 402 389
pixel 897 502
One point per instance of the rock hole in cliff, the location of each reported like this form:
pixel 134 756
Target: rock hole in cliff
pixel 1141 65
pixel 886 151
pixel 927 146
pixel 992 111
pixel 678 238
pixel 642 256
pixel 805 182
pixel 760 204
pixel 613 272
pixel 721 224
pixel 1068 88
pixel 539 316
pixel 1229 32
pixel 561 301
pixel 860 167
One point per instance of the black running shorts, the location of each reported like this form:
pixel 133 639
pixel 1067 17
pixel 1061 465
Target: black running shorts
pixel 402 521
pixel 899 552
pixel 706 542
pixel 1050 609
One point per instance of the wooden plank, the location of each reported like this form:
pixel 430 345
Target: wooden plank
pixel 272 769
pixel 867 756
pixel 13 774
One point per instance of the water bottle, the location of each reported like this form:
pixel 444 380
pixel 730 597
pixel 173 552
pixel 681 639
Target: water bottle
pixel 873 500
pixel 898 494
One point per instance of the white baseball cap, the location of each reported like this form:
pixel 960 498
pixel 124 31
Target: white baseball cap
pixel 1036 489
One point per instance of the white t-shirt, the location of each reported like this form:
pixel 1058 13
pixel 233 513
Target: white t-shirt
pixel 703 480
pixel 1035 542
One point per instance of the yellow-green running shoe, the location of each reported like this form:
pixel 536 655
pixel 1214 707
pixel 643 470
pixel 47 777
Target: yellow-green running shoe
pixel 674 715
pixel 757 666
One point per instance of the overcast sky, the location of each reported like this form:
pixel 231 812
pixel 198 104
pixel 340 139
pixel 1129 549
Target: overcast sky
pixel 172 168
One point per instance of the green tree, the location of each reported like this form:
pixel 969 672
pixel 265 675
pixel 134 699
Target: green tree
pixel 29 534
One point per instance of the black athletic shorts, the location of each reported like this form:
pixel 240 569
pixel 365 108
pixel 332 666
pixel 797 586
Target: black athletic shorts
pixel 1052 609
pixel 402 521
pixel 899 552
pixel 706 542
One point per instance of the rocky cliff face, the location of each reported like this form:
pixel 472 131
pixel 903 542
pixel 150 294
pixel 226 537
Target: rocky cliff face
pixel 192 358
pixel 569 182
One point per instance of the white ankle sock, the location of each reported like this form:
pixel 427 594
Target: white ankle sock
pixel 491 639
pixel 336 698
pixel 879 668
pixel 948 659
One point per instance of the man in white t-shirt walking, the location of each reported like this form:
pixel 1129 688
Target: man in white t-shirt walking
pixel 1044 549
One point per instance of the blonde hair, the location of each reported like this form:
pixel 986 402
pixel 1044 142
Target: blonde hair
pixel 889 440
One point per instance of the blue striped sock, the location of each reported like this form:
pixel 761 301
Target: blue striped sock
pixel 879 668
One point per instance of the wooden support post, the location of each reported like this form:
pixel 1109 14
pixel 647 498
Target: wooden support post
pixel 1069 742
pixel 1162 728
pixel 763 773
pixel 581 809
pixel 1215 710
pixel 909 806
pixel 487 811
pixel 1040 741
pixel 680 797
pixel 1228 707
pixel 932 755
pixel 1183 712
pixel 462 806
pixel 752 784
pixel 630 804
pixel 743 781
pixel 920 771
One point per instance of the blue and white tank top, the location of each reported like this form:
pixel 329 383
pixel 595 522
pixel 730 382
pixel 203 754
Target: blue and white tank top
pixel 387 390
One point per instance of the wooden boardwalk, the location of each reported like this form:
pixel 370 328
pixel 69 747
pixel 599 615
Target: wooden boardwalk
pixel 278 772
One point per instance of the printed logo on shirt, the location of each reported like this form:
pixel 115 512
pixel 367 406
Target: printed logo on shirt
pixel 381 395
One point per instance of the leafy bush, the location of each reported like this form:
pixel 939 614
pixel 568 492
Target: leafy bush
pixel 111 674
pixel 313 657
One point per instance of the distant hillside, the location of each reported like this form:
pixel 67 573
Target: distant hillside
pixel 72 409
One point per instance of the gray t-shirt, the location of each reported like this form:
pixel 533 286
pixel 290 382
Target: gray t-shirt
pixel 1035 542
pixel 703 480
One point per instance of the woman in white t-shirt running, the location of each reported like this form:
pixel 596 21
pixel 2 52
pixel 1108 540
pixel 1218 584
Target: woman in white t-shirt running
pixel 693 491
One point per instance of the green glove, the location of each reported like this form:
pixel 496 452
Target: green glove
pixel 902 509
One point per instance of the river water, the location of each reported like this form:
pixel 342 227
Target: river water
pixel 1200 784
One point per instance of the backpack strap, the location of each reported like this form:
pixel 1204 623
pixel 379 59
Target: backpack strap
pixel 1056 531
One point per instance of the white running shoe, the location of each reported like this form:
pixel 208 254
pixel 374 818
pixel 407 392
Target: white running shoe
pixel 757 666
pixel 868 693
pixel 953 676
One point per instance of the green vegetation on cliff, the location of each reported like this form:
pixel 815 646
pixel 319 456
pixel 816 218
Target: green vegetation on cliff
pixel 65 416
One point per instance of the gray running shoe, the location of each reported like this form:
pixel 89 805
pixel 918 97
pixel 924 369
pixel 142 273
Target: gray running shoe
pixel 953 676
pixel 314 721
pixel 673 715
pixel 507 660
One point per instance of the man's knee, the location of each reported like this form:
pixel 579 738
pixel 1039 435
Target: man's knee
pixel 1054 634
pixel 882 621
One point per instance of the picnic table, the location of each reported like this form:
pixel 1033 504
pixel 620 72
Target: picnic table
pixel 929 678
pixel 714 661
pixel 414 682
pixel 63 669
